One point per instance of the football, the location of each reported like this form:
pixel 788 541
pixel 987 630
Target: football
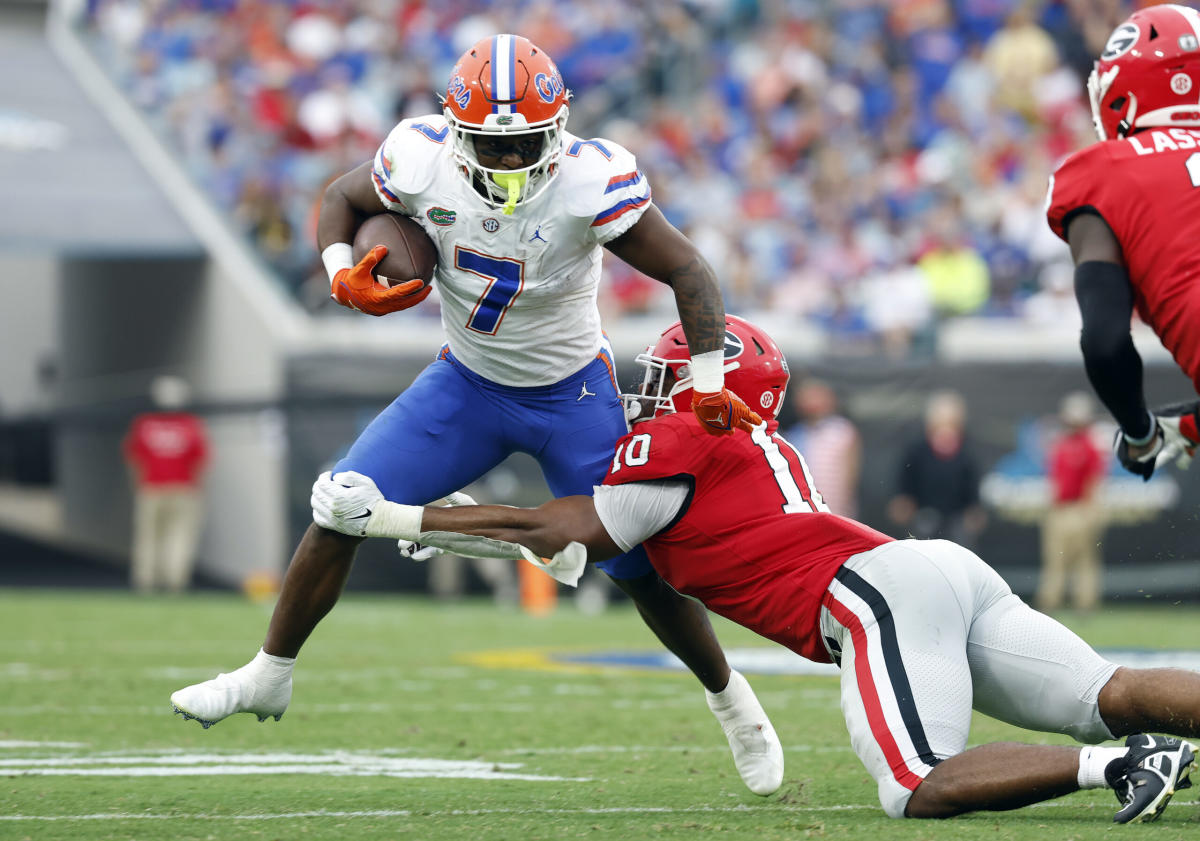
pixel 411 253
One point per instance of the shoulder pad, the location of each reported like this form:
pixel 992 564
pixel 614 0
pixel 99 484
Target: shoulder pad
pixel 1076 184
pixel 597 174
pixel 661 448
pixel 405 161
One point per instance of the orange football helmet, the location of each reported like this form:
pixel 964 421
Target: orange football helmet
pixel 1149 73
pixel 507 85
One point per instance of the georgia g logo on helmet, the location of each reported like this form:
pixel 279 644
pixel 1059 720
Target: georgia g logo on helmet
pixel 1122 38
pixel 733 345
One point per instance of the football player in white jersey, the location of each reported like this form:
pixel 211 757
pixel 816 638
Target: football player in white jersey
pixel 519 209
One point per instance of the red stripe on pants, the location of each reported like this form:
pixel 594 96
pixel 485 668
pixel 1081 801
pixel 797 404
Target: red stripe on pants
pixel 870 696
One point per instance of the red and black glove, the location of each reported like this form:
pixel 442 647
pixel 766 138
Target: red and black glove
pixel 358 289
pixel 721 412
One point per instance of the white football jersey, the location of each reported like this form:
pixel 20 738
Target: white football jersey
pixel 518 292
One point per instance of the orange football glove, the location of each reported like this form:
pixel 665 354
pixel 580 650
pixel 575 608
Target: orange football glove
pixel 721 412
pixel 358 289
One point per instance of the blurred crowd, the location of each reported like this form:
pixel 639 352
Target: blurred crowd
pixel 868 167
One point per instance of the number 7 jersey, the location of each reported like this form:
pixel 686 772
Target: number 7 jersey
pixel 1147 188
pixel 518 291
pixel 754 541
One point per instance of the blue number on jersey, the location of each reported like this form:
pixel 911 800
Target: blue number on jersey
pixel 578 145
pixel 507 279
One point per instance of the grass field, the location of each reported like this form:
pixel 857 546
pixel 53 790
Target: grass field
pixel 400 729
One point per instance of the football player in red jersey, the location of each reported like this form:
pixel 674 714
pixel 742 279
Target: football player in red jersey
pixel 1129 207
pixel 923 630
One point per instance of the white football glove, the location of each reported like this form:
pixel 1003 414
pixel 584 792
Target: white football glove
pixel 417 552
pixel 344 503
pixel 1176 444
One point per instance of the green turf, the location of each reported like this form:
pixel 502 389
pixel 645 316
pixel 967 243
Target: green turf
pixel 395 678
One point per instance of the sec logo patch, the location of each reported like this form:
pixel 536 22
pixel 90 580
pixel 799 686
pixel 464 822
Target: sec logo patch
pixel 1181 83
pixel 491 225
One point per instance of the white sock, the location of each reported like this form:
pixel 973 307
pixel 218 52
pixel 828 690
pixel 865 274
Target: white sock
pixel 272 664
pixel 727 698
pixel 1093 759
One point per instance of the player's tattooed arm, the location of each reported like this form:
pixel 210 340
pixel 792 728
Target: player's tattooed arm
pixel 348 200
pixel 657 249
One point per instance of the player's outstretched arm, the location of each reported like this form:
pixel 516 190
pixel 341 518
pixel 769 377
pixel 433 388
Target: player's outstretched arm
pixel 657 249
pixel 546 530
pixel 352 504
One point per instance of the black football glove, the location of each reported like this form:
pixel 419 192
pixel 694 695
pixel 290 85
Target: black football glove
pixel 1140 465
pixel 1176 436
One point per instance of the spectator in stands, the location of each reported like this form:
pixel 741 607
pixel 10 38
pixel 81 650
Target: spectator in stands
pixel 166 451
pixel 830 443
pixel 1073 526
pixel 938 478
pixel 788 120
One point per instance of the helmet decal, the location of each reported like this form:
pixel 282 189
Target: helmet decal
pixel 457 90
pixel 1122 39
pixel 733 345
pixel 1181 83
pixel 549 86
pixel 767 399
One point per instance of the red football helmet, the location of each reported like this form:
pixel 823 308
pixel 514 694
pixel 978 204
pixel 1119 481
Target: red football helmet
pixel 755 370
pixel 1149 73
pixel 506 85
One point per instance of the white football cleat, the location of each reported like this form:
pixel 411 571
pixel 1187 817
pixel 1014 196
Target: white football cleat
pixel 757 753
pixel 263 687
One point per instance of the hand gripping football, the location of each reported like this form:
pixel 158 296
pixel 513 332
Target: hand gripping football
pixel 411 253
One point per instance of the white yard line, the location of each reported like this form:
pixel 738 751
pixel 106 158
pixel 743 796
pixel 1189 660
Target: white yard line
pixel 448 813
pixel 16 743
pixel 766 808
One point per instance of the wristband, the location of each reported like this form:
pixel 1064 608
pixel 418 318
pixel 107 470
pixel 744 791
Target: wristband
pixel 1145 439
pixel 336 257
pixel 391 519
pixel 708 371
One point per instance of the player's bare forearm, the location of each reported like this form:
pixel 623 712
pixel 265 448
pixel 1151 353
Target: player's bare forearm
pixel 657 249
pixel 701 310
pixel 346 201
pixel 545 530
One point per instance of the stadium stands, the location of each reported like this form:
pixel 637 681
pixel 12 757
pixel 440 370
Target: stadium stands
pixel 863 166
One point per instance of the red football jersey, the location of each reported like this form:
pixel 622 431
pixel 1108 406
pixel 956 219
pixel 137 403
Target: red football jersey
pixel 755 543
pixel 1147 188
